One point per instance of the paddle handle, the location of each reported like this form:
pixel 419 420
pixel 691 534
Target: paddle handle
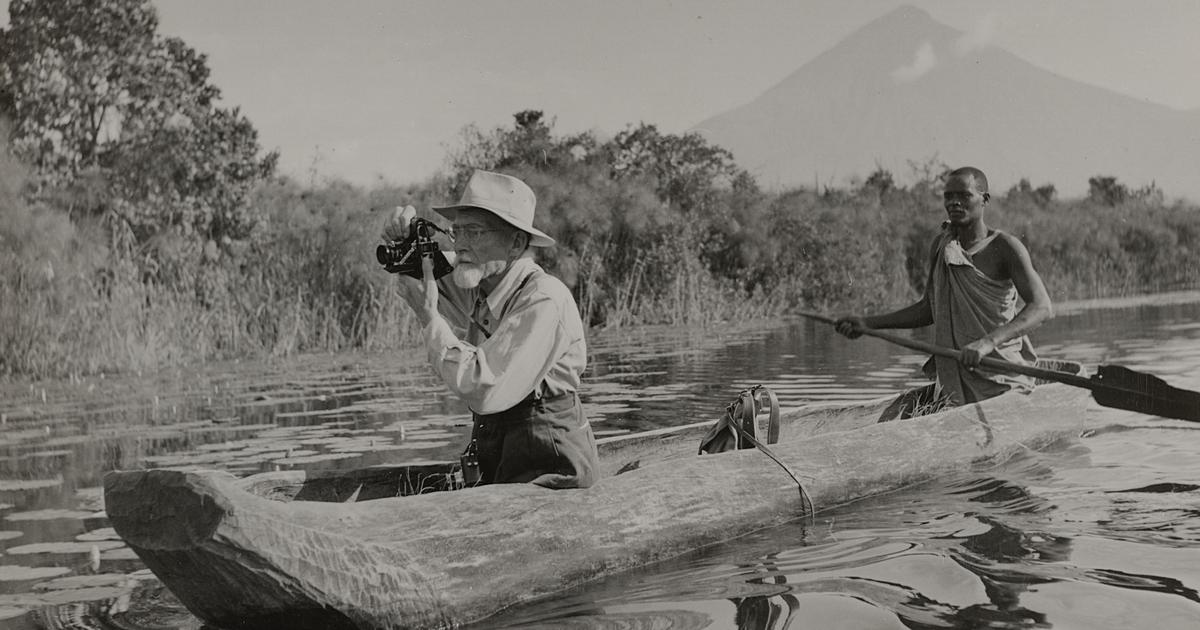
pixel 988 362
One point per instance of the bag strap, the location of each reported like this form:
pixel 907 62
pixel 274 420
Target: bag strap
pixel 741 420
pixel 773 418
pixel 745 410
pixel 741 417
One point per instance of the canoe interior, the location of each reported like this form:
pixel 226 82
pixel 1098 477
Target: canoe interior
pixel 618 454
pixel 362 484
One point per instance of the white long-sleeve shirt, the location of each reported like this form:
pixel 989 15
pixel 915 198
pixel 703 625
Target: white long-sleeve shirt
pixel 494 350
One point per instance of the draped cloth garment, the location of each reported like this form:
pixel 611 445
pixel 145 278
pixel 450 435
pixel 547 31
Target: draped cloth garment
pixel 967 305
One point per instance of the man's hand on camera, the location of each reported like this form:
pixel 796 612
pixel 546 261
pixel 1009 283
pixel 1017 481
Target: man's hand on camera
pixel 421 295
pixel 396 228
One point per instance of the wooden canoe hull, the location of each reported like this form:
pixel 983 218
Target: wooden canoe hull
pixel 441 560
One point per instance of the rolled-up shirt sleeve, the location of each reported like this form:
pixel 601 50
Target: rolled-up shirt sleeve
pixel 502 370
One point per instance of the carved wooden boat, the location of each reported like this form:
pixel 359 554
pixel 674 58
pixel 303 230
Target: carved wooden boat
pixel 287 550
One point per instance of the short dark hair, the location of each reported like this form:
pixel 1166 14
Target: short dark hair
pixel 981 182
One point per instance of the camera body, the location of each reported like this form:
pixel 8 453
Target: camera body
pixel 405 256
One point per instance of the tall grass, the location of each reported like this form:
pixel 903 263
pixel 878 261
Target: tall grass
pixel 307 280
pixel 69 305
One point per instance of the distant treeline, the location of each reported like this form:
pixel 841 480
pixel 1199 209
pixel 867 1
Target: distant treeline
pixel 138 234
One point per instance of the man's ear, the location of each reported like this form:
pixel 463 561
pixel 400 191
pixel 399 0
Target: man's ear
pixel 987 197
pixel 520 241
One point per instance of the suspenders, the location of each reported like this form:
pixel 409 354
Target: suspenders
pixel 537 390
pixel 503 309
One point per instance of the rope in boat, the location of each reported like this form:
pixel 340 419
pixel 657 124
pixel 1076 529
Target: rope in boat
pixel 738 419
pixel 806 504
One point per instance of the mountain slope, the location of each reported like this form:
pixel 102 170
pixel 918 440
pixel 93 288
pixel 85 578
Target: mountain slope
pixel 906 88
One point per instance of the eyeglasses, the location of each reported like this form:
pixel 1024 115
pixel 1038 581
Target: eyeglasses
pixel 469 232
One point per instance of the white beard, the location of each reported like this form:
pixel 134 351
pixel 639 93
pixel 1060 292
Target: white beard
pixel 468 275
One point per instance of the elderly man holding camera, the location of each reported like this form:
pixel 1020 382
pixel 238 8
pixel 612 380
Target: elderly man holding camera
pixel 506 337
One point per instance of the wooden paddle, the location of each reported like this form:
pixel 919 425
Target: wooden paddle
pixel 1113 386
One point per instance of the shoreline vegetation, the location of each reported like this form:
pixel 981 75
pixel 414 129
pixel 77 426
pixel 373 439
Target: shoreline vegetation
pixel 305 279
pixel 142 227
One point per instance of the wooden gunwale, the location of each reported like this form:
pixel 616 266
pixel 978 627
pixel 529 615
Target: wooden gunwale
pixel 447 559
pixel 617 454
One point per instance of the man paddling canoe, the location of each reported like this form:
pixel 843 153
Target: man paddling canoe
pixel 975 276
pixel 506 337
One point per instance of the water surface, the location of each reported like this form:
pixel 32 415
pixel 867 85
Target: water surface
pixel 1100 533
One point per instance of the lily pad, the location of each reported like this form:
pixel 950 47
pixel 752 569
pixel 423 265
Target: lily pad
pixel 312 459
pixel 85 581
pixel 297 454
pixel 46 515
pixel 13 485
pixel 301 414
pixel 21 600
pixel 420 444
pixel 280 432
pixel 327 441
pixel 64 547
pixel 104 533
pixel 368 448
pixel 253 459
pixel 143 575
pixel 447 420
pixel 222 446
pixel 91 498
pixel 267 446
pixel 93 594
pixel 428 434
pixel 18 573
pixel 50 453
pixel 120 553
pixel 192 459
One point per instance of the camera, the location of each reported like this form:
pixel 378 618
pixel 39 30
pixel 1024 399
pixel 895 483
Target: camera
pixel 405 256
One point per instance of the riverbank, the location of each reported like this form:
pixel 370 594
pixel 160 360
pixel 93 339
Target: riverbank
pixel 81 295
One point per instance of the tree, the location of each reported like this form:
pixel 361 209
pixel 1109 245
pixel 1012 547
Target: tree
pixel 529 144
pixel 1107 190
pixel 96 93
pixel 689 174
pixel 1042 195
pixel 1149 194
pixel 688 169
pixel 929 175
pixel 880 182
pixel 1045 193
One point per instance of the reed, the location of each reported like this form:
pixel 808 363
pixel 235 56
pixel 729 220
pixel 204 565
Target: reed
pixel 307 281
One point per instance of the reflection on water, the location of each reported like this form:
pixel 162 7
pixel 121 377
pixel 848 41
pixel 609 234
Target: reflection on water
pixel 1017 545
pixel 1102 533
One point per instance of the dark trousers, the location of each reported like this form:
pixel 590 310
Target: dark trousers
pixel 544 441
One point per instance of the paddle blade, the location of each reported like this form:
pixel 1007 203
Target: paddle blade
pixel 1144 393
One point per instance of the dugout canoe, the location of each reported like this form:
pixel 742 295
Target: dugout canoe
pixel 260 552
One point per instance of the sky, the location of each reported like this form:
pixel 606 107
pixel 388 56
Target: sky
pixel 380 90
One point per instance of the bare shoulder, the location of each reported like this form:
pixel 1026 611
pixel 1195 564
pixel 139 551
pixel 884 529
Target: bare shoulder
pixel 1019 267
pixel 1010 247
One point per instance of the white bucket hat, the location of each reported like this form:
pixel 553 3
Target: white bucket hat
pixel 504 196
